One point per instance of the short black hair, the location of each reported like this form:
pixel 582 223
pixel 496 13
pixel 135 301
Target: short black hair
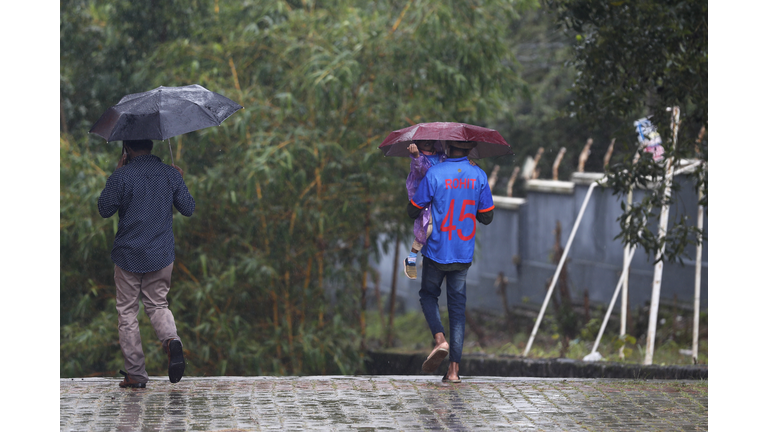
pixel 139 145
pixel 463 151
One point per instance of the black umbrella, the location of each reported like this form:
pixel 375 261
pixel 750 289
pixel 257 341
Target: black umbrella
pixel 163 113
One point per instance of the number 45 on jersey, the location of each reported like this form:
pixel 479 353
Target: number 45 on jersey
pixel 448 226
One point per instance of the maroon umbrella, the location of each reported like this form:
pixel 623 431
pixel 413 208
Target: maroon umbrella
pixel 489 142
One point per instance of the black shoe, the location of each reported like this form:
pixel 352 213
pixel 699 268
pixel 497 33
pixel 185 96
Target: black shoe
pixel 175 360
pixel 130 382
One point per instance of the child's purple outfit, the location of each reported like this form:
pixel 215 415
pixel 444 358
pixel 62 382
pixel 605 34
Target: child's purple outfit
pixel 419 166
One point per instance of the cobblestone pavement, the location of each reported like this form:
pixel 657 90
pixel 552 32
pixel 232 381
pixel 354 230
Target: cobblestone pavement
pixel 368 403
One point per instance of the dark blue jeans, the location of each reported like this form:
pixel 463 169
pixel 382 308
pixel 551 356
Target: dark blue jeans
pixel 456 289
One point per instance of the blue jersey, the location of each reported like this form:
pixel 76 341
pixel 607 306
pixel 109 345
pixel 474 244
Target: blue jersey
pixel 434 159
pixel 457 191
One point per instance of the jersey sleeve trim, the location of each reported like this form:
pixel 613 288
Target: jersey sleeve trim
pixel 486 210
pixel 416 205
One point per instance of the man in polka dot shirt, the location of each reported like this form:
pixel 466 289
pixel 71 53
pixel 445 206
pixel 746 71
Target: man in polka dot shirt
pixel 143 191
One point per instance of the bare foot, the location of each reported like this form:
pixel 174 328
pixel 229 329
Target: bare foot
pixel 453 371
pixel 444 345
pixel 437 355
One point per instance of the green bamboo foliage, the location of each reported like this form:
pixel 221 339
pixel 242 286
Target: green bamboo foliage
pixel 291 191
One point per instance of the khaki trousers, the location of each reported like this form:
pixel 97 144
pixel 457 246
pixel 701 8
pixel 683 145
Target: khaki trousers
pixel 152 288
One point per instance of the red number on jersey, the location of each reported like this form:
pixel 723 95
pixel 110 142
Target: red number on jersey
pixel 448 225
pixel 463 216
pixel 448 222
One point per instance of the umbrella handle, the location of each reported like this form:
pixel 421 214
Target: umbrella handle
pixel 170 151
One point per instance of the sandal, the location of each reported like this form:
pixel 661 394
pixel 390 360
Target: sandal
pixel 445 379
pixel 433 361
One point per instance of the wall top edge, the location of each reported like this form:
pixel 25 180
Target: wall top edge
pixel 509 203
pixel 551 186
pixel 586 177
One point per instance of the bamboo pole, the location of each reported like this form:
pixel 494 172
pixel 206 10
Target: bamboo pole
pixel 289 316
pixel 625 287
pixel 697 287
pixel 623 278
pixel 697 280
pixel 320 241
pixel 377 292
pixel 307 280
pixel 275 315
pixel 659 266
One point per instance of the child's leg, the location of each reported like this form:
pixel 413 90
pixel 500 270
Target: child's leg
pixel 409 264
pixel 416 246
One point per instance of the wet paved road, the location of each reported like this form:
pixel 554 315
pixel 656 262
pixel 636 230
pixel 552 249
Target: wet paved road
pixel 366 403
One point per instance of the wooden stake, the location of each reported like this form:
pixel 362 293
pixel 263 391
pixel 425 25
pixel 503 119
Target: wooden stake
pixel 501 285
pixel 608 154
pixel 625 287
pixel 535 173
pixel 556 165
pixel 512 179
pixel 698 140
pixel 659 266
pixel 584 155
pixel 493 177
pixel 697 280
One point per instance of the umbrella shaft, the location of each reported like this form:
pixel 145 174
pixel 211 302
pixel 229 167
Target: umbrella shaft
pixel 170 151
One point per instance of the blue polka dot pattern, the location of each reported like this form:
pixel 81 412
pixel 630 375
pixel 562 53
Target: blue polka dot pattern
pixel 143 194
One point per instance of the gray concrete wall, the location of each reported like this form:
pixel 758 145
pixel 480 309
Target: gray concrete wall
pixel 522 232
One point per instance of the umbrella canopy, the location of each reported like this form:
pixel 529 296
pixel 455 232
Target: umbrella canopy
pixel 489 142
pixel 163 113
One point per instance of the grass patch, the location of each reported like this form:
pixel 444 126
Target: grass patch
pixel 498 336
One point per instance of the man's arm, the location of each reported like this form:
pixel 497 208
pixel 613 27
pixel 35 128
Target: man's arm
pixel 485 217
pixel 182 199
pixel 109 199
pixel 413 211
pixel 485 203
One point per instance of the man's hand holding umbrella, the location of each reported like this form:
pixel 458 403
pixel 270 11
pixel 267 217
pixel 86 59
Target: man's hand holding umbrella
pixel 124 158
